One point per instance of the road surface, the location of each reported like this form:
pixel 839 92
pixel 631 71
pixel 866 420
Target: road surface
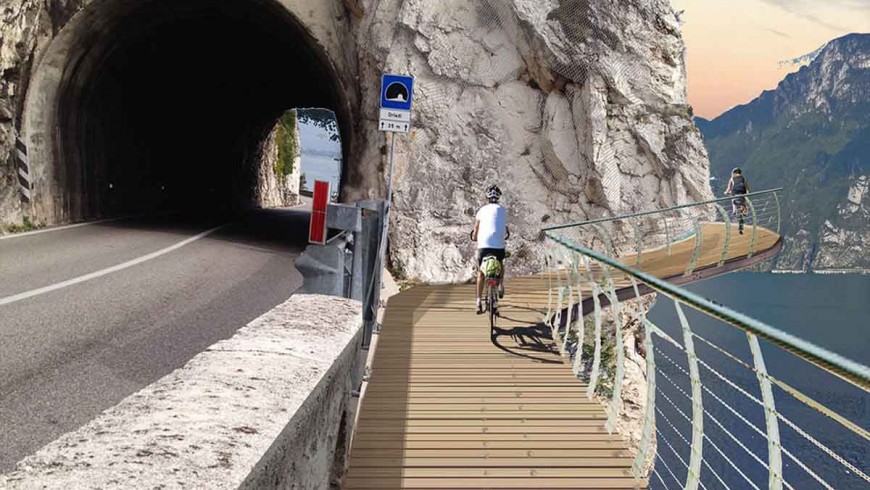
pixel 91 314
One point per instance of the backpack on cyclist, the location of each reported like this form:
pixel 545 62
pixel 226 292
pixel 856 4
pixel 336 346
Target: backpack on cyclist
pixel 739 184
pixel 490 266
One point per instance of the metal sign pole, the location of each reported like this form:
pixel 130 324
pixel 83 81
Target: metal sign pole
pixel 395 116
pixel 388 205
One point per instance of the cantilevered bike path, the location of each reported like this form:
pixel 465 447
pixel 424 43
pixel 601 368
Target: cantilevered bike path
pixel 449 405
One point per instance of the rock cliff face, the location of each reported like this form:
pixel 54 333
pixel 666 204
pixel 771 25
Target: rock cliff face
pixel 274 189
pixel 811 136
pixel 22 24
pixel 576 109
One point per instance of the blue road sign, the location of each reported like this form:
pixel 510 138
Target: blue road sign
pixel 397 92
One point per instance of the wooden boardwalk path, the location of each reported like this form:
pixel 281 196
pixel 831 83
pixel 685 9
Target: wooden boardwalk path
pixel 451 406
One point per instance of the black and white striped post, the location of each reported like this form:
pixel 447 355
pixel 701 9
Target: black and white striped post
pixel 23 170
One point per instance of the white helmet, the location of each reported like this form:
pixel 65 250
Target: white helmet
pixel 493 192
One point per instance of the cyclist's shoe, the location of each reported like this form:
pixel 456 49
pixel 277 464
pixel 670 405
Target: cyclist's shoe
pixel 479 307
pixel 501 291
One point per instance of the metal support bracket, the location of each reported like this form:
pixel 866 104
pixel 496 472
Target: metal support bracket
pixel 693 477
pixel 754 228
pixel 697 251
pixel 727 219
pixel 774 448
pixel 639 245
pixel 596 357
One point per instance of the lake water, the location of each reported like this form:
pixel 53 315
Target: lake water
pixel 832 311
pixel 318 167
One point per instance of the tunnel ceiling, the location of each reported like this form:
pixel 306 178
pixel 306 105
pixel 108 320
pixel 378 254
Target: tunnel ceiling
pixel 168 102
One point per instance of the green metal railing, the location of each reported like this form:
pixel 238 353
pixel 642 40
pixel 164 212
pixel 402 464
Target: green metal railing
pixel 643 233
pixel 585 280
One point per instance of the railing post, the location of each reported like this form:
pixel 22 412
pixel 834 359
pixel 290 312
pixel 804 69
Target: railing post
pixel 572 324
pixel 649 418
pixel 693 477
pixel 596 357
pixel 639 245
pixel 548 259
pixel 754 228
pixel 778 212
pixel 619 375
pixel 727 219
pixel 697 250
pixel 774 448
pixel 667 236
pixel 557 317
pixel 605 237
pixel 581 331
pixel 563 339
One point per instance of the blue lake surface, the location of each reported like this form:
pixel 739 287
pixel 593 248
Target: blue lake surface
pixel 318 167
pixel 832 311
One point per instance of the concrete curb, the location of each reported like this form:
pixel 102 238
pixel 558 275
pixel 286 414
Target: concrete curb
pixel 266 408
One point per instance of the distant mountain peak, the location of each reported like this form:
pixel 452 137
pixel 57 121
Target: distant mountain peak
pixel 810 135
pixel 806 59
pixel 803 59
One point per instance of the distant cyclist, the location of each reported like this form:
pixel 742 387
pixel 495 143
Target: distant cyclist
pixel 490 233
pixel 738 186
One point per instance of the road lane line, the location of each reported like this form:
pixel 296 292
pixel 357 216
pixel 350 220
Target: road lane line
pixel 57 228
pixel 109 270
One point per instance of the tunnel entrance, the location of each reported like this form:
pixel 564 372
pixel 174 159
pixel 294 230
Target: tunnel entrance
pixel 165 105
pixel 303 146
pixel 320 149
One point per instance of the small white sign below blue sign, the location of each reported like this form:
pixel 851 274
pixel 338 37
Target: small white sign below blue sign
pixel 397 92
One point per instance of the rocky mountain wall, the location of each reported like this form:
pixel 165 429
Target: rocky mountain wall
pixel 274 189
pixel 576 109
pixel 24 27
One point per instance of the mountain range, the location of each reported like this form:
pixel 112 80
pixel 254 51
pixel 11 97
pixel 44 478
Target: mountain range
pixel 811 136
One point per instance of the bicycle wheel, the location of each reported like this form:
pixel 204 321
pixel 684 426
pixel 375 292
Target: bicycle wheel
pixel 493 309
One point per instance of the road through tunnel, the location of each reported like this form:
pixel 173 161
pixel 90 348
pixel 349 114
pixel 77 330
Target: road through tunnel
pixel 156 105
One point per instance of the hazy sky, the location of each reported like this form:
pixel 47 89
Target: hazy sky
pixel 316 140
pixel 735 46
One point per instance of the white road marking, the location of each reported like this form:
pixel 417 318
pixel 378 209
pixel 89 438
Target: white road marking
pixel 58 228
pixel 109 270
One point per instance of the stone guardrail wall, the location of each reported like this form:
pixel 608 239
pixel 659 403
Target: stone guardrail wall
pixel 267 408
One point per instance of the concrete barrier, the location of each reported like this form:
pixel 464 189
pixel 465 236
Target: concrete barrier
pixel 267 408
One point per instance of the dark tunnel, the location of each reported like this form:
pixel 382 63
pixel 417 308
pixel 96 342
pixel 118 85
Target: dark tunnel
pixel 168 103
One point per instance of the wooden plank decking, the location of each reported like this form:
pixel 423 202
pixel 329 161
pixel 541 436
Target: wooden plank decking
pixel 451 406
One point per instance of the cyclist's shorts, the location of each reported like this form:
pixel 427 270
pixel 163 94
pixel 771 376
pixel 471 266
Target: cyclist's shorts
pixel 483 252
pixel 739 201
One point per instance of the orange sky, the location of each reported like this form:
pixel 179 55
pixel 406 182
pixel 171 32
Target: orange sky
pixel 735 46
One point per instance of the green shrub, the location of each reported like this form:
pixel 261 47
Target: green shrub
pixel 286 139
pixel 25 226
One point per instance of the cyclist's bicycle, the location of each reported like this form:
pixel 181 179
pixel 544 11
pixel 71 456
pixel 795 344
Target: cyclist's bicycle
pixel 491 268
pixel 742 211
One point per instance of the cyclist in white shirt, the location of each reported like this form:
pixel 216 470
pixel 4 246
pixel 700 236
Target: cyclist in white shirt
pixel 490 233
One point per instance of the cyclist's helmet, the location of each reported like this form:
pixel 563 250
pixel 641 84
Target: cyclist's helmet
pixel 737 171
pixel 493 193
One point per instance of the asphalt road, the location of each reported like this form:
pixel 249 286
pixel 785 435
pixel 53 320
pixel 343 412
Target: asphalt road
pixel 89 315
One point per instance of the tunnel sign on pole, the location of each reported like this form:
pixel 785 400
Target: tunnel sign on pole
pixel 397 92
pixel 320 202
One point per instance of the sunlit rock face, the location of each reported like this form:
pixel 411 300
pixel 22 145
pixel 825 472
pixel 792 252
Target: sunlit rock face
pixel 576 109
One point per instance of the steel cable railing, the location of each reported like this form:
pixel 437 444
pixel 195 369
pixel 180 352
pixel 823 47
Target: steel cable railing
pixel 599 271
